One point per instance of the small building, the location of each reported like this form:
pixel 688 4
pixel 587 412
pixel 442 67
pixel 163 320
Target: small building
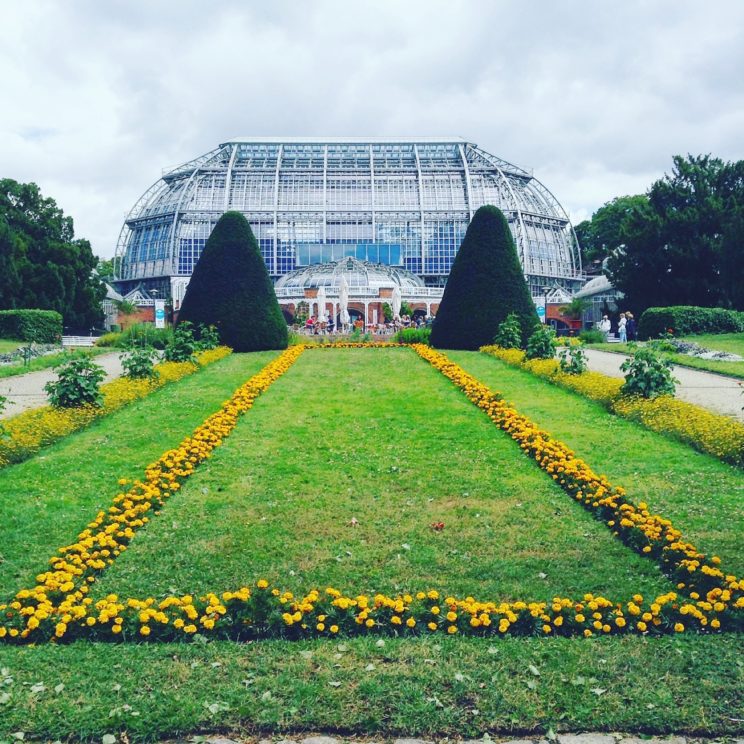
pixel 603 299
pixel 370 286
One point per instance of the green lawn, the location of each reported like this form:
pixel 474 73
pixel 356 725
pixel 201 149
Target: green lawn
pixel 48 499
pixel 382 437
pixel 731 342
pixel 44 362
pixel 700 494
pixel 396 448
pixel 9 344
pixel 440 688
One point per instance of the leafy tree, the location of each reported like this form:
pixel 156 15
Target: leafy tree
pixel 685 247
pixel 231 289
pixel 604 233
pixel 42 264
pixel 576 308
pixel 486 283
pixel 105 269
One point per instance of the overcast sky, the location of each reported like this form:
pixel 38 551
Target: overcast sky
pixel 98 97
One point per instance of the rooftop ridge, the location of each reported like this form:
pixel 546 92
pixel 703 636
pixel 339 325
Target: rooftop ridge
pixel 347 140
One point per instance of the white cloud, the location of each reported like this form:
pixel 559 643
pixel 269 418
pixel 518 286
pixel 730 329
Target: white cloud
pixel 595 97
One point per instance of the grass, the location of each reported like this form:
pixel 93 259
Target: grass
pixel 731 342
pixel 9 344
pixel 700 494
pixel 47 500
pixel 396 452
pixel 44 362
pixel 445 688
pixel 374 435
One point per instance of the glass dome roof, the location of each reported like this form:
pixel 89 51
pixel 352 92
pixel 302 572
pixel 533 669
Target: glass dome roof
pixel 404 202
pixel 358 274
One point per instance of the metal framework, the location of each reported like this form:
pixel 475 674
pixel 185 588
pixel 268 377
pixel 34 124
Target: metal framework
pixel 403 202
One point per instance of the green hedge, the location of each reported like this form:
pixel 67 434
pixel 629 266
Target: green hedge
pixel 686 319
pixel 41 326
pixel 413 336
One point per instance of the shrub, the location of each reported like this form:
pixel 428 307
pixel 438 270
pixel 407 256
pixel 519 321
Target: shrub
pixel 231 289
pixel 413 336
pixel 139 362
pixel 591 336
pixel 540 343
pixel 572 360
pixel 183 345
pixel 77 383
pixel 145 334
pixel 486 283
pixel 683 320
pixel 41 326
pixel 509 334
pixel 209 338
pixel 647 374
pixel 109 339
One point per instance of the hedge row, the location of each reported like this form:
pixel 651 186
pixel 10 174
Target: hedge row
pixel 41 326
pixel 682 320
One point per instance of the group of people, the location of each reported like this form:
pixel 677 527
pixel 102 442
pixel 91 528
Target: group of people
pixel 316 326
pixel 626 327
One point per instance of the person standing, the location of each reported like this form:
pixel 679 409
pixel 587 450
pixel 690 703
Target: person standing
pixel 630 327
pixel 604 326
pixel 621 328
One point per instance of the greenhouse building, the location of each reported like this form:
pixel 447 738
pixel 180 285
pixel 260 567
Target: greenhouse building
pixel 401 205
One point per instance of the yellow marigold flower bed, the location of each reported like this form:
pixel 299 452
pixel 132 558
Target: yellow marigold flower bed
pixel 58 608
pixel 25 434
pixel 708 432
pixel 74 568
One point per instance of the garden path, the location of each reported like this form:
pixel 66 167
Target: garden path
pixel 717 393
pixel 27 391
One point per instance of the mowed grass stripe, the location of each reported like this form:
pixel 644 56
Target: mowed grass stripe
pixel 426 687
pixel 46 501
pixel 701 495
pixel 379 437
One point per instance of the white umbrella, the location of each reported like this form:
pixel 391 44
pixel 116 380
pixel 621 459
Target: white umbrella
pixel 396 303
pixel 321 300
pixel 343 301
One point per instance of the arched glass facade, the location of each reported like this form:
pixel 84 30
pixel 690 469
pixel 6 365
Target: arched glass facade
pixel 400 202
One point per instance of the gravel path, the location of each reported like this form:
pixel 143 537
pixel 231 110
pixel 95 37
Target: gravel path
pixel 27 391
pixel 714 392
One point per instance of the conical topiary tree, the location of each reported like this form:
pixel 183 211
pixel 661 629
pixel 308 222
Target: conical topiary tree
pixel 486 283
pixel 231 289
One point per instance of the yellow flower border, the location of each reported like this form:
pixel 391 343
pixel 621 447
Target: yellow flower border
pixel 59 608
pixel 705 431
pixel 28 432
